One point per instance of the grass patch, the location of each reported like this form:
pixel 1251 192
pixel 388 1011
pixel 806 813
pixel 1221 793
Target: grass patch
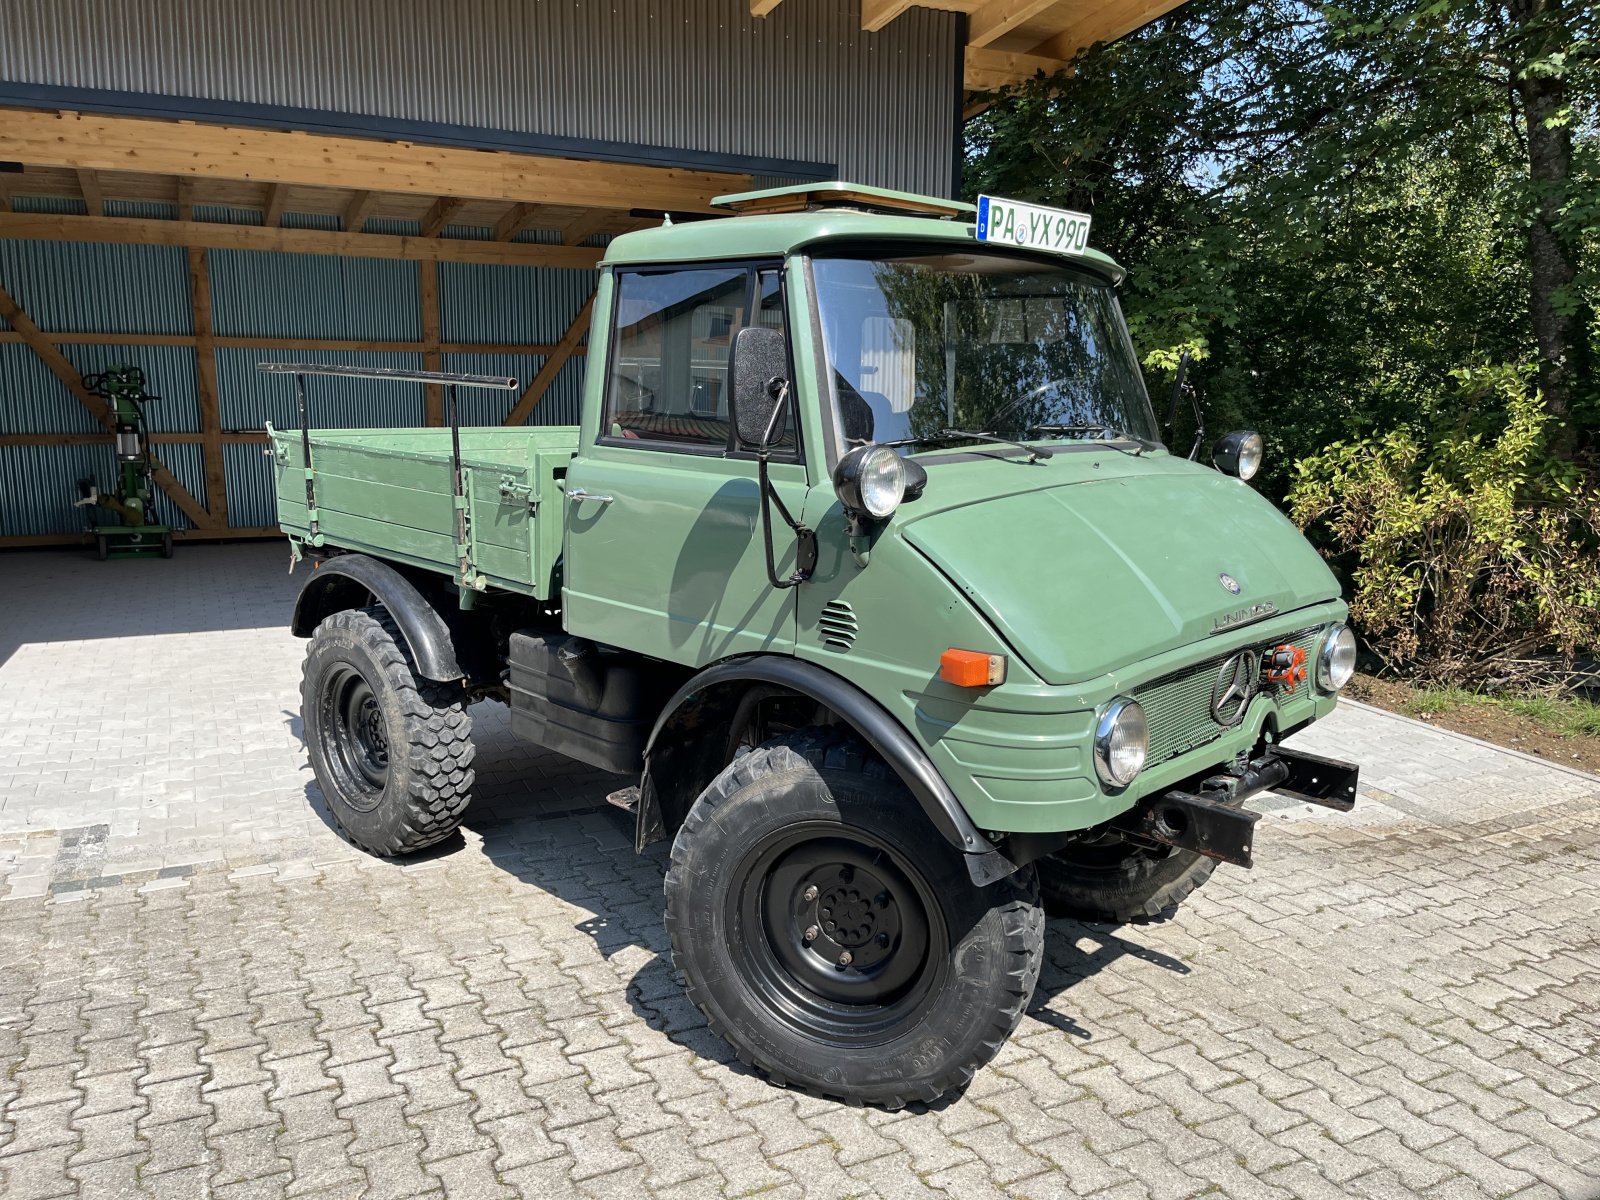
pixel 1570 718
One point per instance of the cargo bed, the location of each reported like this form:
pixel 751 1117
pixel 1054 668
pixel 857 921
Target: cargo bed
pixel 389 492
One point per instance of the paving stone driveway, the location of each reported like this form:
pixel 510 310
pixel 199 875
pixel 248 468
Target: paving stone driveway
pixel 204 992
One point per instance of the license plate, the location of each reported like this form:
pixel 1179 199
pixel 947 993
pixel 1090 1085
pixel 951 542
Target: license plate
pixel 1031 226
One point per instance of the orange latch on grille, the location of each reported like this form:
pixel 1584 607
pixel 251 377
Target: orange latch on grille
pixel 1286 666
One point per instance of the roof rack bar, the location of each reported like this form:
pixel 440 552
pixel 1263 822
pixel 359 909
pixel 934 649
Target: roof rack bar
pixel 500 382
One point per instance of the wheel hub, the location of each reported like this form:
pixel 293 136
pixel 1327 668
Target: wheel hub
pixel 846 916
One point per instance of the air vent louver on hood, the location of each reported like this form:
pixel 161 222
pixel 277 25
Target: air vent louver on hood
pixel 838 625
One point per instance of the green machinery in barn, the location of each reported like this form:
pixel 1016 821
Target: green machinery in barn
pixel 133 535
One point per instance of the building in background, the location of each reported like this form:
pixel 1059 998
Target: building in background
pixel 194 186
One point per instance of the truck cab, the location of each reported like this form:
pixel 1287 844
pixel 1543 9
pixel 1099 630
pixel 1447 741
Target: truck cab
pixel 869 564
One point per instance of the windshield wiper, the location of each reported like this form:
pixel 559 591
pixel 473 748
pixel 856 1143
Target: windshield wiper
pixel 1035 453
pixel 1060 430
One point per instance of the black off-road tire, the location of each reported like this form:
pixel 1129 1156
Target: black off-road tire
pixel 812 829
pixel 1121 884
pixel 392 752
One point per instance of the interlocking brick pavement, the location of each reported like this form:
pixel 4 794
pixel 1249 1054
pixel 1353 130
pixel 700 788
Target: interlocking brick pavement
pixel 204 992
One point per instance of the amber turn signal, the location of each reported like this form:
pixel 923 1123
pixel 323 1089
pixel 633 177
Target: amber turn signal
pixel 971 668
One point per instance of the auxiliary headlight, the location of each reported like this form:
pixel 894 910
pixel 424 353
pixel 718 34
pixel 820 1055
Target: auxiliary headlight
pixel 1238 453
pixel 871 480
pixel 1336 662
pixel 1121 741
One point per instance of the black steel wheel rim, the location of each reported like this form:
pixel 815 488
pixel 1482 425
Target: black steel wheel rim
pixel 837 934
pixel 355 741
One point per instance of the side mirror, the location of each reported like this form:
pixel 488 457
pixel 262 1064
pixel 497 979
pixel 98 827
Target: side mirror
pixel 758 385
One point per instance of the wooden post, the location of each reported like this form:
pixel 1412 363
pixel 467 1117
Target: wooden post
pixel 205 358
pixel 432 360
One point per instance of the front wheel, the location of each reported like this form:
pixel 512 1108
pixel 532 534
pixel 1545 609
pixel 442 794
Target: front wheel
pixel 1119 883
pixel 833 938
pixel 392 752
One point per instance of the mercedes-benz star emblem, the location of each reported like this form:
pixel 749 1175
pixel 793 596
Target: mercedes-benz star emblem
pixel 1236 683
pixel 1229 582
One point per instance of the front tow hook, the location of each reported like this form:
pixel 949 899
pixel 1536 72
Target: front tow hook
pixel 1213 823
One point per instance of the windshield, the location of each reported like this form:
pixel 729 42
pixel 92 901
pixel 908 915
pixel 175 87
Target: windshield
pixel 988 343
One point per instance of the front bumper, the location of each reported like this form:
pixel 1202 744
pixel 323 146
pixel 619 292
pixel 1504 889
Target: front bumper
pixel 1211 819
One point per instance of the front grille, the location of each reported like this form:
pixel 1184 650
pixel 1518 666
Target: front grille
pixel 1178 706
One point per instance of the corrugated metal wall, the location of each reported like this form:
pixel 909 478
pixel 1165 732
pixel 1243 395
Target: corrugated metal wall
pixel 145 289
pixel 804 83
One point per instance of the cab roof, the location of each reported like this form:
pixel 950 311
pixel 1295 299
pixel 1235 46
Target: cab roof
pixel 779 221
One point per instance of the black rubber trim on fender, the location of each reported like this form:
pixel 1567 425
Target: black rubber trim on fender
pixel 881 732
pixel 426 634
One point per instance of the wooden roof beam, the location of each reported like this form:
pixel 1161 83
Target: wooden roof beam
pixel 185 199
pixel 94 201
pixel 215 235
pixel 1105 23
pixel 358 210
pixel 992 20
pixel 875 14
pixel 202 151
pixel 763 8
pixel 513 221
pixel 272 210
pixel 990 70
pixel 439 215
pixel 586 225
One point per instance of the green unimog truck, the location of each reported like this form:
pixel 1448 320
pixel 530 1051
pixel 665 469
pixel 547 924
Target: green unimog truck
pixel 869 572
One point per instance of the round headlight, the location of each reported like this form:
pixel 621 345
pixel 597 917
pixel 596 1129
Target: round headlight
pixel 1238 453
pixel 871 480
pixel 1337 662
pixel 1121 741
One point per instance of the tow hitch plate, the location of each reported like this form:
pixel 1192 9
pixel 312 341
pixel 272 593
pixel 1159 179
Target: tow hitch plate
pixel 1318 780
pixel 1192 822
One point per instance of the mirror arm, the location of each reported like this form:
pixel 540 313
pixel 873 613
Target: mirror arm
pixel 805 537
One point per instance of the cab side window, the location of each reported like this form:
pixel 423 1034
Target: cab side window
pixel 668 381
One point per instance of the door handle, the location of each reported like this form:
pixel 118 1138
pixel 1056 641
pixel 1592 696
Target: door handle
pixel 578 493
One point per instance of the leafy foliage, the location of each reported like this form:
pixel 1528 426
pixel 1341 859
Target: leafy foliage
pixel 1470 549
pixel 1348 213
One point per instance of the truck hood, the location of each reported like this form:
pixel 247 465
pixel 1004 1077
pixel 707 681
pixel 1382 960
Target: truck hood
pixel 1088 576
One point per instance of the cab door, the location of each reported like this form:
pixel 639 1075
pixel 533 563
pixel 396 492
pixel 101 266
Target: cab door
pixel 664 550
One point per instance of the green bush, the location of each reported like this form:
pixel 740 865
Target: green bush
pixel 1469 549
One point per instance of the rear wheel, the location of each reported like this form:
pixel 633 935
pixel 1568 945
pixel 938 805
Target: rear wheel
pixel 392 752
pixel 1119 882
pixel 829 933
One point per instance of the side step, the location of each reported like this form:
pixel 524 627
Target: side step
pixel 627 799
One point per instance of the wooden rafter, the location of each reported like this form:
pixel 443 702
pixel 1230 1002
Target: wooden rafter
pixel 323 161
pixel 552 366
pixel 516 218
pixel 94 202
pixel 989 70
pixel 358 210
pixel 875 14
pixel 993 19
pixel 1103 23
pixel 5 196
pixel 586 225
pixel 185 199
pixel 216 236
pixel 272 210
pixel 439 215
pixel 70 379
pixel 762 8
